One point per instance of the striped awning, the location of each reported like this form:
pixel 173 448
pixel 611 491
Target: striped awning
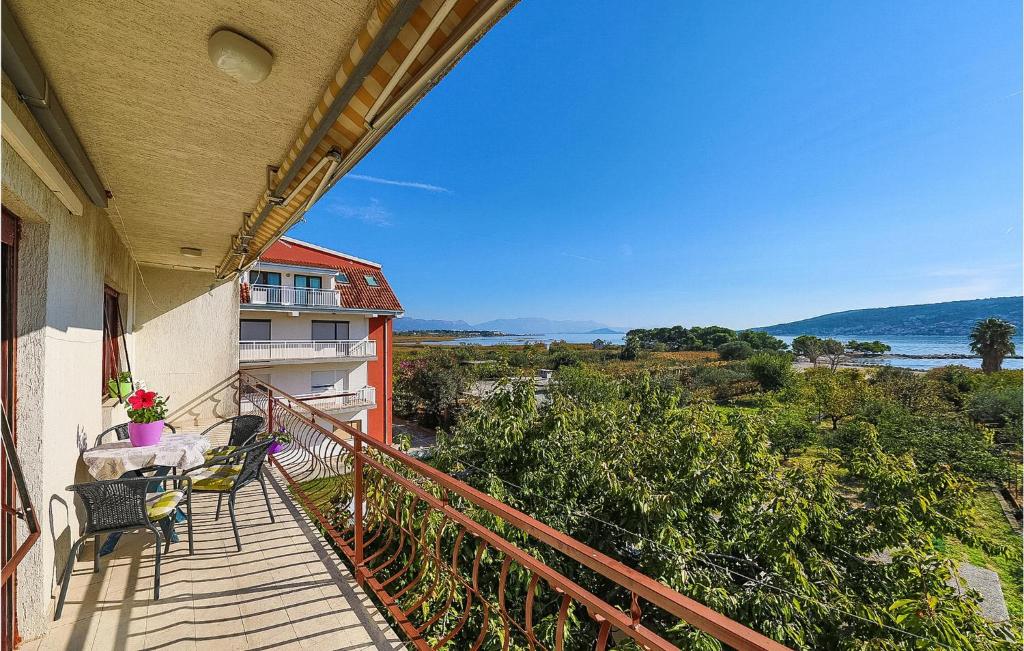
pixel 406 47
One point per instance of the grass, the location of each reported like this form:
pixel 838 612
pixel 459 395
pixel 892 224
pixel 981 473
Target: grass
pixel 992 524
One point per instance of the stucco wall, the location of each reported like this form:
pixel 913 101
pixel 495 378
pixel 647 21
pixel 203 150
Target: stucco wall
pixel 284 326
pixel 186 342
pixel 64 262
pixel 295 378
pixel 182 341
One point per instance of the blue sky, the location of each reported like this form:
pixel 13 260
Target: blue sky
pixel 739 163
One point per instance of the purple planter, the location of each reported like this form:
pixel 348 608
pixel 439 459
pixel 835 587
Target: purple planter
pixel 143 434
pixel 275 447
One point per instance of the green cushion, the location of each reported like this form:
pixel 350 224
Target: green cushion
pixel 215 478
pixel 219 452
pixel 161 505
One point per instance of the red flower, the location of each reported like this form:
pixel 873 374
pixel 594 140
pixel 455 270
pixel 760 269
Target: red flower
pixel 142 399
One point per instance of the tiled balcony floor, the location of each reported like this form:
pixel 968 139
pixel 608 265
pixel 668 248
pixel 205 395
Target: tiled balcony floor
pixel 286 589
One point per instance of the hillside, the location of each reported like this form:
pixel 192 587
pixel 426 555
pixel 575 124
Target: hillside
pixel 951 318
pixel 405 324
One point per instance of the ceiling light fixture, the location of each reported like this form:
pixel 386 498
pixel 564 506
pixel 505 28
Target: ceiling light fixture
pixel 240 57
pixel 190 252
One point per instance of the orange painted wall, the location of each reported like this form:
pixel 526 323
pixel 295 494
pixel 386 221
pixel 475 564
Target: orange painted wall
pixel 379 376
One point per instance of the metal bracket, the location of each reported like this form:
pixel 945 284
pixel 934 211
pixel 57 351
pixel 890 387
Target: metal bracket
pixel 41 102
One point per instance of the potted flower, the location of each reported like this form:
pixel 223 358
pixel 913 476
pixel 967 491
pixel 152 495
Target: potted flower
pixel 121 386
pixel 281 437
pixel 146 410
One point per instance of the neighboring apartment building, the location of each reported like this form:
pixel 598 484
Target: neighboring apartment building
pixel 317 324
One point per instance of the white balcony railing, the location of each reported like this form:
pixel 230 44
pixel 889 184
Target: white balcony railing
pixel 285 295
pixel 345 400
pixel 268 351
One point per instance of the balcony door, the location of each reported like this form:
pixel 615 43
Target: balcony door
pixel 305 287
pixel 265 287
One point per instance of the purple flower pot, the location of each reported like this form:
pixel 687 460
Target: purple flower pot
pixel 143 434
pixel 275 447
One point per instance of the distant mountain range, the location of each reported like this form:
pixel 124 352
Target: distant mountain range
pixel 520 326
pixel 950 318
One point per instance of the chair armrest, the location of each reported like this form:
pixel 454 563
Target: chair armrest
pixel 211 427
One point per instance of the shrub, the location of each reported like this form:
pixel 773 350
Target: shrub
pixel 999 406
pixel 735 350
pixel 773 371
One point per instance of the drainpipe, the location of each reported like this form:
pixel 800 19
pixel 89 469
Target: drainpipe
pixel 394 23
pixel 22 66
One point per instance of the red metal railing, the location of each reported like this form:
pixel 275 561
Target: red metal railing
pixel 438 554
pixel 16 505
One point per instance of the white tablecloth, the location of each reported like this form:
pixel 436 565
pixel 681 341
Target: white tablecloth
pixel 111 460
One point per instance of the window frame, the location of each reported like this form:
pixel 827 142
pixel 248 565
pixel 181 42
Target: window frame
pixel 307 278
pixel 270 329
pixel 314 322
pixel 254 278
pixel 333 387
pixel 111 365
pixel 371 280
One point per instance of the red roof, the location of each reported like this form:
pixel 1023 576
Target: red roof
pixel 357 293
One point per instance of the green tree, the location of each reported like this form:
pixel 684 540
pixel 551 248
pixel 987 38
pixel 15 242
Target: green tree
pixel 431 388
pixel 834 352
pixel 810 347
pixel 734 350
pixel 700 499
pixel 993 340
pixel 761 340
pixel 868 347
pixel 835 394
pixel 773 371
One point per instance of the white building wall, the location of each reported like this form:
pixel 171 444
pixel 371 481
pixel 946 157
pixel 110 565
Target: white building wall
pixel 285 327
pixel 181 341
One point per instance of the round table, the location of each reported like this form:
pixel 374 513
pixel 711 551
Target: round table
pixel 112 460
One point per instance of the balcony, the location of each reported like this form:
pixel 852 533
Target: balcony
pixel 372 549
pixel 287 296
pixel 253 352
pixel 364 398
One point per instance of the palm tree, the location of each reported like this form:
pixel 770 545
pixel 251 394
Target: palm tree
pixel 993 340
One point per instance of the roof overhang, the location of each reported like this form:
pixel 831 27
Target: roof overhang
pixel 252 307
pixel 405 49
pixel 195 159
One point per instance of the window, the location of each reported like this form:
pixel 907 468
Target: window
pixel 254 330
pixel 330 330
pixel 307 282
pixel 370 280
pixel 111 336
pixel 341 278
pixel 328 381
pixel 357 425
pixel 265 278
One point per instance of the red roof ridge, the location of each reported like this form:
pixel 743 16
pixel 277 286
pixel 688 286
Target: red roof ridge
pixel 324 249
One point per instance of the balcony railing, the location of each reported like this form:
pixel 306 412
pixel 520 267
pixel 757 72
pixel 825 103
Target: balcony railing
pixel 268 351
pixel 358 399
pixel 17 505
pixel 286 295
pixel 428 547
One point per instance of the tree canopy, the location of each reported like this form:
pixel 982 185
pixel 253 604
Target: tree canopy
pixel 993 340
pixel 835 550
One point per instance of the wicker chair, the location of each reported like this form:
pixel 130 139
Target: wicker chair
pixel 225 476
pixel 122 432
pixel 122 505
pixel 243 430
